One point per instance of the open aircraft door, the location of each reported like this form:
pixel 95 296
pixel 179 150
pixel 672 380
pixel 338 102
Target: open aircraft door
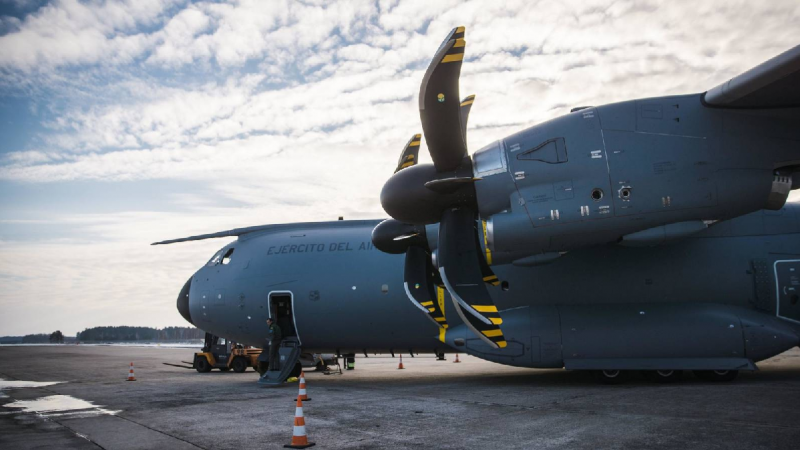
pixel 281 308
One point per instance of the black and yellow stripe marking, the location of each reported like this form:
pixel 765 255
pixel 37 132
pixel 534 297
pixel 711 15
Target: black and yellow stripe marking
pixel 456 52
pixel 486 243
pixel 438 315
pixel 410 153
pixel 485 259
pixel 459 33
pixel 490 332
pixel 467 101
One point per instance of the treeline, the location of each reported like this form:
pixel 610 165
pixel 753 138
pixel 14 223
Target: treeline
pixel 131 334
pixel 52 338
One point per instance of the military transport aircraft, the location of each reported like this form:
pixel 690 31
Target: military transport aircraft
pixel 647 235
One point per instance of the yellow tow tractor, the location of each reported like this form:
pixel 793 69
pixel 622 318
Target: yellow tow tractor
pixel 220 353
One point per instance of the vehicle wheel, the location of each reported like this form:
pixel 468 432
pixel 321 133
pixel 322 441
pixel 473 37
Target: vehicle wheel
pixel 296 370
pixel 224 369
pixel 611 376
pixel 262 367
pixel 239 365
pixel 665 376
pixel 716 375
pixel 201 364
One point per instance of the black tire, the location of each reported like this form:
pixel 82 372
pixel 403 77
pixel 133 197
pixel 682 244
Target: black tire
pixel 716 376
pixel 239 365
pixel 611 376
pixel 664 376
pixel 262 367
pixel 201 364
pixel 296 370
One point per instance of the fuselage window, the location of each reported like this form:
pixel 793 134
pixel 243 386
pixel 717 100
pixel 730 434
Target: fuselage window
pixel 227 258
pixel 215 259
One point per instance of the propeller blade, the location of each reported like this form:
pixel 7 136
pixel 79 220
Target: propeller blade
pixel 410 155
pixel 420 285
pixel 459 267
pixel 466 105
pixel 485 258
pixel 439 106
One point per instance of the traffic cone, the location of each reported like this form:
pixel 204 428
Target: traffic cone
pixel 299 437
pixel 457 360
pixel 401 363
pixel 303 396
pixel 131 376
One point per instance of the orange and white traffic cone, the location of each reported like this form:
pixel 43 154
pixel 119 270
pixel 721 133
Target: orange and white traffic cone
pixel 299 437
pixel 303 396
pixel 457 360
pixel 401 363
pixel 131 376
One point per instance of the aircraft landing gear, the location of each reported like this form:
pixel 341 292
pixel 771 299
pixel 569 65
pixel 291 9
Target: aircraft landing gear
pixel 664 376
pixel 611 376
pixel 716 375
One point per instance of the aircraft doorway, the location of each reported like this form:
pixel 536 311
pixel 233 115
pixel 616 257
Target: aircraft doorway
pixel 281 309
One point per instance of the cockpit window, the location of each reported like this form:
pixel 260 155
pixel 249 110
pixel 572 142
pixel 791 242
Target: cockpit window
pixel 215 259
pixel 219 258
pixel 227 258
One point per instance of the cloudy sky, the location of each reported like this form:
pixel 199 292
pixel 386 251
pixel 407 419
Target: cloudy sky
pixel 128 122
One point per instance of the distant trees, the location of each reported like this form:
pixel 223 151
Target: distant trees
pixel 57 337
pixel 130 334
pixel 35 339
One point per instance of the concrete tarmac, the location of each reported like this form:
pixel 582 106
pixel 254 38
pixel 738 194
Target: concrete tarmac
pixel 430 404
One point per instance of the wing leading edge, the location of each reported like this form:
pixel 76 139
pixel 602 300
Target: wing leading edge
pixel 774 83
pixel 237 232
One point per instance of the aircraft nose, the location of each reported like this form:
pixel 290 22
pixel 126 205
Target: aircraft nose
pixel 183 301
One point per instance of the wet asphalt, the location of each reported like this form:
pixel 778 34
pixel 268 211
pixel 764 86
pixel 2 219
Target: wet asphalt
pixel 429 404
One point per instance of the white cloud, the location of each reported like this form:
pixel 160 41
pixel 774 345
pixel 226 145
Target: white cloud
pixel 69 32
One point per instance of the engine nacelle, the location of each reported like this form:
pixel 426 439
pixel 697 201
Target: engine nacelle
pixel 599 174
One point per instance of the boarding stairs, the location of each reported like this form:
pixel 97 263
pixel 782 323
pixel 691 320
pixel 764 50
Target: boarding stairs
pixel 289 356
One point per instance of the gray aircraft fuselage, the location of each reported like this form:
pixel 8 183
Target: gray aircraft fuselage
pixel 666 301
pixel 721 298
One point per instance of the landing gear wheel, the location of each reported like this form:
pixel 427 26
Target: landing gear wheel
pixel 239 365
pixel 610 376
pixel 201 364
pixel 665 376
pixel 716 376
pixel 296 370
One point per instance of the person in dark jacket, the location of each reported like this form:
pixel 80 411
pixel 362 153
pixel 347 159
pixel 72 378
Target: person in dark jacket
pixel 275 338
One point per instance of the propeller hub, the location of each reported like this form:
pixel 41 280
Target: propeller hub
pixel 394 237
pixel 406 198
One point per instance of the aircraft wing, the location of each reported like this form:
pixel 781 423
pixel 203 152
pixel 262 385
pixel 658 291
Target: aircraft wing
pixel 236 232
pixel 774 83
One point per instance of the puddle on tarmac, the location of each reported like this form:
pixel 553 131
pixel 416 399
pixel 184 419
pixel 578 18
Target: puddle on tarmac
pixel 16 384
pixel 59 405
pixel 51 405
